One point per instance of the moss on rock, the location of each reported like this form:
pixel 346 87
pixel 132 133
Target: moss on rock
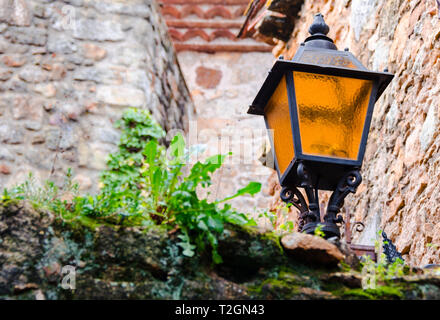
pixel 112 262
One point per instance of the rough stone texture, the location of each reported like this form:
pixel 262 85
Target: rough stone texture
pixel 400 189
pixel 67 70
pixel 147 263
pixel 222 86
pixel 312 249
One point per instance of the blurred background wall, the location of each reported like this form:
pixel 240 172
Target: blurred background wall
pixel 67 70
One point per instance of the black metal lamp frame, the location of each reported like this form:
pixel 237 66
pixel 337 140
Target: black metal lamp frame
pixel 310 215
pixel 319 55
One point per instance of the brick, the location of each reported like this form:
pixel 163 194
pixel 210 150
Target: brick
pixel 94 52
pixel 208 78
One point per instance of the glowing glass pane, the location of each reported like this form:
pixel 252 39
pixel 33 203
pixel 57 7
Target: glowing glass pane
pixel 278 119
pixel 331 113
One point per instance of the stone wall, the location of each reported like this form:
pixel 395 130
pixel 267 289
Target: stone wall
pixel 400 192
pixel 67 70
pixel 222 86
pixel 44 259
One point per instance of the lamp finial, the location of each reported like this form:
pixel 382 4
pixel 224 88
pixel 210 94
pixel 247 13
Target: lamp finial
pixel 318 34
pixel 319 26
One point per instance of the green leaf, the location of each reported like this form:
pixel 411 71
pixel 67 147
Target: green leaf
pixel 216 258
pixel 150 151
pixel 181 194
pixel 177 146
pixel 188 248
pixel 215 224
pixel 157 178
pixel 216 160
pixel 252 188
pixel 202 225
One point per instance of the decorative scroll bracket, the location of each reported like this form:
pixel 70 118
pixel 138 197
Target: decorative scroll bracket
pixel 310 215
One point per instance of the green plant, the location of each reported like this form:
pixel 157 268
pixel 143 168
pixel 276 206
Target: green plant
pixel 395 269
pixel 152 179
pixel 125 166
pixel 318 231
pixel 279 228
pixel 48 195
pixel 271 216
pixel 287 227
pixel 147 184
pixel 380 272
pixel 172 197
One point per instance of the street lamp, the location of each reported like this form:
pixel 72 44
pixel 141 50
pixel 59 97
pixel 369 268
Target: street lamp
pixel 318 109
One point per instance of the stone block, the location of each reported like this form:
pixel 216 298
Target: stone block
pixel 88 74
pixel 122 96
pixel 33 74
pixel 5 74
pixel 47 90
pixel 94 52
pixel 4 45
pixel 430 127
pixel 27 108
pixel 106 135
pixel 33 125
pixel 61 43
pixel 40 159
pixel 60 139
pixel 14 61
pixel 5 169
pixel 311 249
pixel 72 110
pixel 98 30
pixel 27 36
pixel 7 155
pixel 132 7
pixel 10 134
pixel 58 72
pixel 38 138
pixel 76 3
pixel 15 12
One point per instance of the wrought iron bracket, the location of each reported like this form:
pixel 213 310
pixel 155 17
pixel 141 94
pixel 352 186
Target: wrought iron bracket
pixel 309 211
pixel 359 226
pixel 348 184
pixel 310 215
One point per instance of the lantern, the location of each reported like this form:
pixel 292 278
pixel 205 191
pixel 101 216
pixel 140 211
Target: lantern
pixel 318 109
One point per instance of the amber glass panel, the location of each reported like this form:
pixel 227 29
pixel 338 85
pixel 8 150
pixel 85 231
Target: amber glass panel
pixel 278 119
pixel 331 112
